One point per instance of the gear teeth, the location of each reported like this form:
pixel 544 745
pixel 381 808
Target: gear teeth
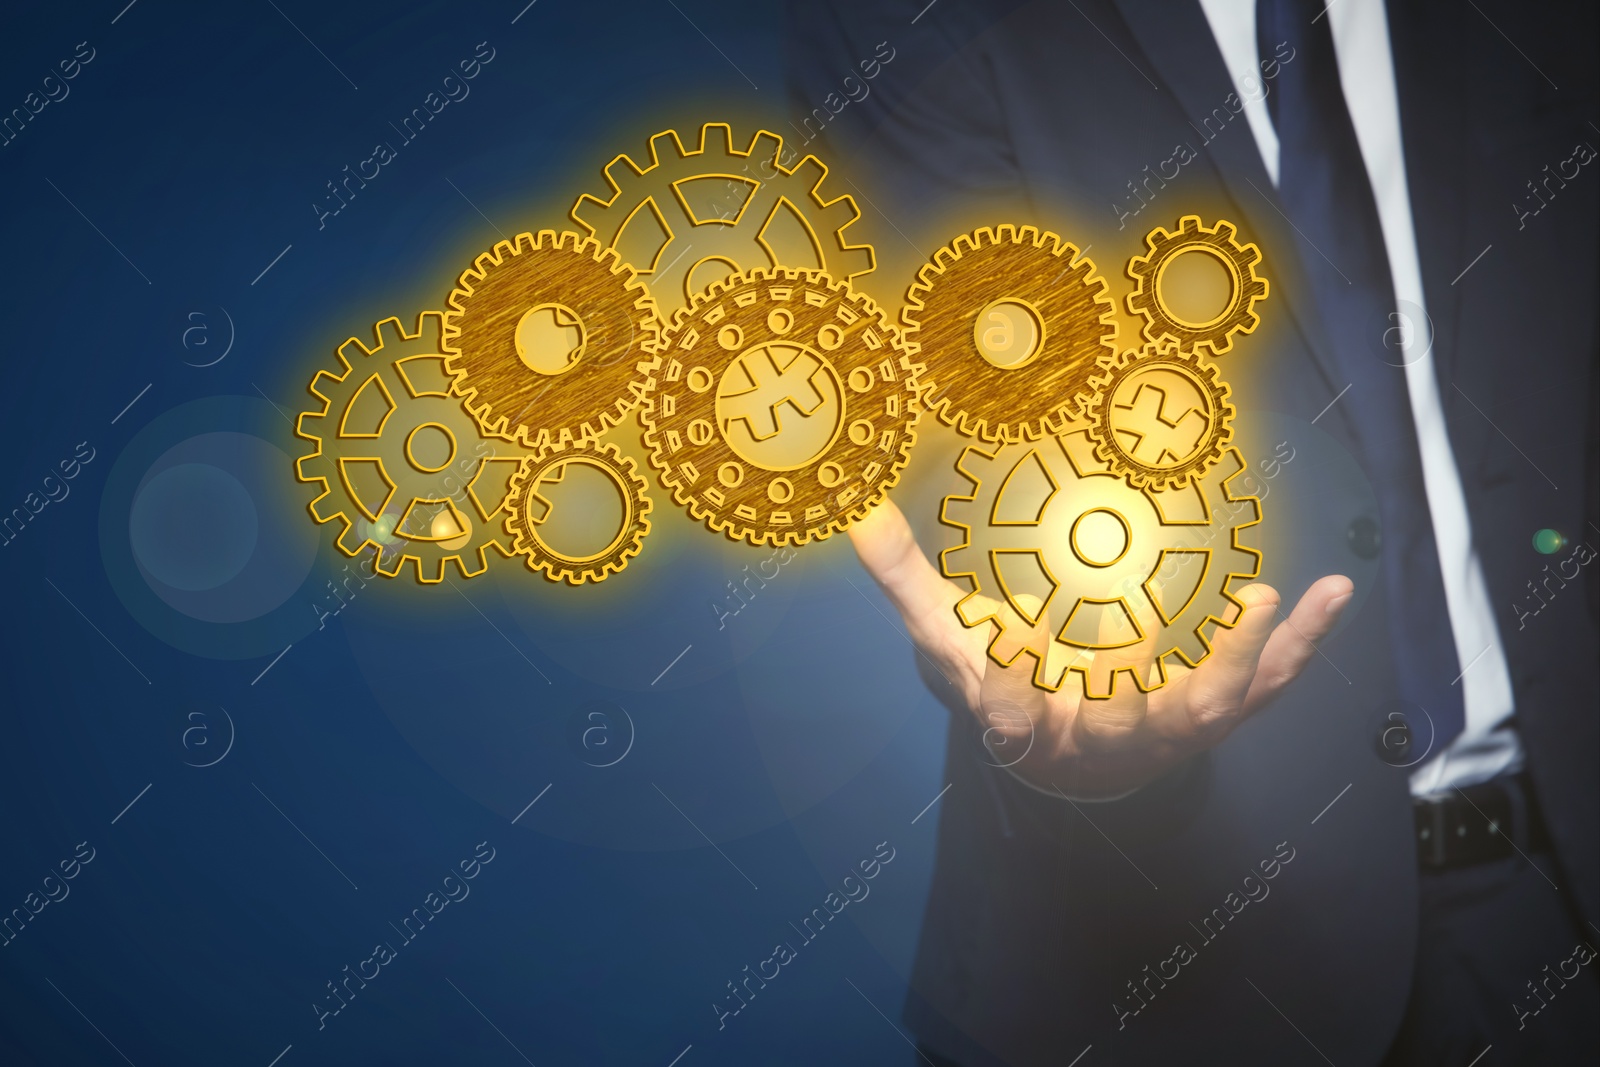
pixel 353 351
pixel 975 463
pixel 567 267
pixel 668 144
pixel 358 361
pixel 539 557
pixel 838 215
pixel 1189 645
pixel 765 147
pixel 620 170
pixel 1104 430
pixel 957 511
pixel 1186 639
pixel 717 137
pixel 736 514
pixel 856 260
pixel 387 334
pixel 962 513
pixel 1160 322
pixel 1076 321
pixel 629 185
pixel 810 172
pixel 972 609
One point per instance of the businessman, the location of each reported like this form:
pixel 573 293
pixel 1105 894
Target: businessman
pixel 1397 860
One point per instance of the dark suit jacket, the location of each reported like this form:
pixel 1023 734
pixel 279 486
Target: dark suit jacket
pixel 1130 926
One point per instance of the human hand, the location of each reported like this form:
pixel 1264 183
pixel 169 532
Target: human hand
pixel 1083 747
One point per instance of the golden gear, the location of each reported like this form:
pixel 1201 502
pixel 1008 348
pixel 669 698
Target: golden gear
pixel 1160 417
pixel 1245 286
pixel 1054 521
pixel 396 451
pixel 545 336
pixel 1011 325
pixel 785 408
pixel 734 209
pixel 528 509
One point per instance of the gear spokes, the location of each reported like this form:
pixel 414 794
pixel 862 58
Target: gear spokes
pixel 691 216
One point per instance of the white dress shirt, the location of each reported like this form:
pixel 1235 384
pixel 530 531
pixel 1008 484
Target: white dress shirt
pixel 1488 746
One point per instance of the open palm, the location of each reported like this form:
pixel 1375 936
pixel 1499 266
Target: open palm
pixel 1076 745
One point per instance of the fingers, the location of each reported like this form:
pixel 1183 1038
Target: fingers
pixel 889 551
pixel 1113 706
pixel 1293 643
pixel 1009 704
pixel 1215 693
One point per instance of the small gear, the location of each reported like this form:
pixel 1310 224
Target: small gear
pixel 785 409
pixel 528 509
pixel 693 216
pixel 1011 324
pixel 400 465
pixel 1245 286
pixel 1160 417
pixel 545 338
pixel 1051 520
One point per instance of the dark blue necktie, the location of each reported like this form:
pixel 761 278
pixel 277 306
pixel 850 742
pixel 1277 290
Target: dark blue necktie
pixel 1324 190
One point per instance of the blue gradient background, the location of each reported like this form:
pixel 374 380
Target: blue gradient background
pixel 413 724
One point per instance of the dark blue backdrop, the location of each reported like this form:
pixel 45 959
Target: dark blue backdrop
pixel 266 798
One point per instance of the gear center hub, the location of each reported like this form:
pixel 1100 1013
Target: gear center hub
pixel 780 406
pixel 579 512
pixel 1198 286
pixel 550 339
pixel 1100 537
pixel 430 447
pixel 1008 333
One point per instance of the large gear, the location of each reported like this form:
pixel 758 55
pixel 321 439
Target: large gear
pixel 527 510
pixel 546 336
pixel 734 209
pixel 1160 417
pixel 1245 286
pixel 400 465
pixel 769 347
pixel 1011 324
pixel 1054 521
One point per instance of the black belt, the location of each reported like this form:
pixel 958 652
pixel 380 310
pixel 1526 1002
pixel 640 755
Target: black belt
pixel 1478 824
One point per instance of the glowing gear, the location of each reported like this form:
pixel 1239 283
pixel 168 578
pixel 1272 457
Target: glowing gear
pixel 531 512
pixel 1051 520
pixel 1161 417
pixel 693 216
pixel 399 465
pixel 1011 324
pixel 545 337
pixel 1155 305
pixel 784 408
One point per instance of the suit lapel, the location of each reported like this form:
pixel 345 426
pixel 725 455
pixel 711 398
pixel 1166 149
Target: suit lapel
pixel 1177 41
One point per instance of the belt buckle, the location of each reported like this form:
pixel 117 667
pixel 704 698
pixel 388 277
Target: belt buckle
pixel 1431 833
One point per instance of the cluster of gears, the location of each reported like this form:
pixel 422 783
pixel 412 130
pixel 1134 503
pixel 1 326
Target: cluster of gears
pixel 709 293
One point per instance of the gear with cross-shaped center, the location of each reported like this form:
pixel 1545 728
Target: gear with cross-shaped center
pixel 1160 417
pixel 400 465
pixel 784 407
pixel 1050 528
pixel 1152 301
pixel 691 216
